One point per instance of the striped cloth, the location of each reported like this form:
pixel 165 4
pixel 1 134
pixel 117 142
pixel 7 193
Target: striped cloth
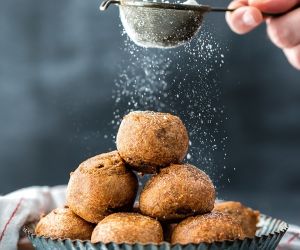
pixel 291 240
pixel 26 205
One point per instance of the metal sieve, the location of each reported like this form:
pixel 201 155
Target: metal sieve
pixel 159 24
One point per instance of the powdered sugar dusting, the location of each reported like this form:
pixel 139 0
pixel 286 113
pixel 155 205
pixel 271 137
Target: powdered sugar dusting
pixel 183 81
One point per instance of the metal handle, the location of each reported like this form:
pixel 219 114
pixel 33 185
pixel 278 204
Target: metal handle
pixel 105 4
pixel 217 9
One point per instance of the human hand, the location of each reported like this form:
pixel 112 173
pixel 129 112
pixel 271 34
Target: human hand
pixel 284 31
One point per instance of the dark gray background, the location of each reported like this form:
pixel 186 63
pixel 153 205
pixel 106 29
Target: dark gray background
pixel 58 63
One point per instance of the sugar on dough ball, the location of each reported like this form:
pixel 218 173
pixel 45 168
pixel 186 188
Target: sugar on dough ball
pixel 176 192
pixel 149 140
pixel 100 186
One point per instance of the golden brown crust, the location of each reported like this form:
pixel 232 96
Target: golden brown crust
pixel 247 217
pixel 149 140
pixel 177 192
pixel 100 186
pixel 128 228
pixel 63 223
pixel 207 228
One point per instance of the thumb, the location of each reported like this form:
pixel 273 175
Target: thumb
pixel 274 6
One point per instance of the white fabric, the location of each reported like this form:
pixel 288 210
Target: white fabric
pixel 28 204
pixel 23 206
pixel 291 240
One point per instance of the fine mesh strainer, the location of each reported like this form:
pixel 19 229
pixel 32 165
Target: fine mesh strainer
pixel 159 24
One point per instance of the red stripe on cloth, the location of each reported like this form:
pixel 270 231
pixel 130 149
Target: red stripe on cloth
pixel 295 236
pixel 10 219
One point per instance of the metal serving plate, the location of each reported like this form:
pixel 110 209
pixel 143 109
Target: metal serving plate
pixel 268 236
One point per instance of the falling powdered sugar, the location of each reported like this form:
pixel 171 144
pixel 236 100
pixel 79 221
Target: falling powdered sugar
pixel 182 81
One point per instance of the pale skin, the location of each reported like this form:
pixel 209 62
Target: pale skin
pixel 283 31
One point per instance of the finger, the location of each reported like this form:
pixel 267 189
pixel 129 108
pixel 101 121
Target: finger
pixel 244 19
pixel 274 6
pixel 293 56
pixel 284 31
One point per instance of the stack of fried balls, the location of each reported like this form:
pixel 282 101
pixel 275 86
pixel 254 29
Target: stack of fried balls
pixel 177 204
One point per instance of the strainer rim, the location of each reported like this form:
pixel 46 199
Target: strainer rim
pixel 156 5
pixel 174 6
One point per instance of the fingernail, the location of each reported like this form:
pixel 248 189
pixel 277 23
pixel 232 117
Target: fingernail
pixel 249 19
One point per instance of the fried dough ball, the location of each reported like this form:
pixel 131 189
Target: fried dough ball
pixel 63 223
pixel 128 228
pixel 247 217
pixel 100 186
pixel 177 192
pixel 149 140
pixel 207 228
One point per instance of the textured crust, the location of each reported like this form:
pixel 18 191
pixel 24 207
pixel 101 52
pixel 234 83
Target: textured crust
pixel 177 192
pixel 247 217
pixel 63 223
pixel 149 140
pixel 207 228
pixel 128 228
pixel 100 186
